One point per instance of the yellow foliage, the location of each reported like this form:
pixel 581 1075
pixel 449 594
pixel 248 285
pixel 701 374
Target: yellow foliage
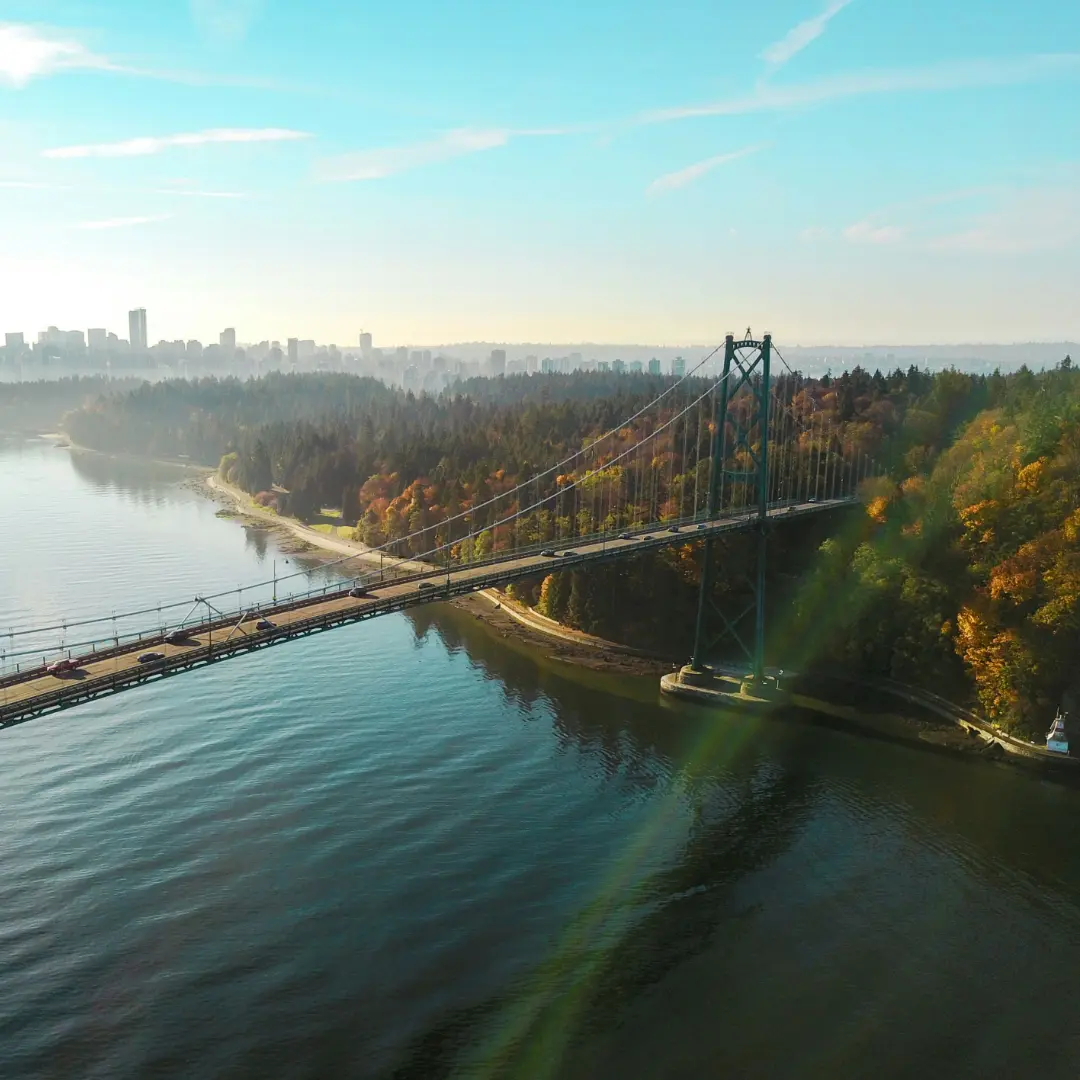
pixel 1071 527
pixel 1029 476
pixel 876 509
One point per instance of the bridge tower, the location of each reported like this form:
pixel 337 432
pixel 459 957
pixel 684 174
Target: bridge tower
pixel 740 458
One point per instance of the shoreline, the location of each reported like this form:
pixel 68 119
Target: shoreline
pixel 502 614
pixel 937 725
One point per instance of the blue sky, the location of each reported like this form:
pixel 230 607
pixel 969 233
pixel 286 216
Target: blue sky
pixel 660 171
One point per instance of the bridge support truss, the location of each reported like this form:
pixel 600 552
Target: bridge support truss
pixel 740 459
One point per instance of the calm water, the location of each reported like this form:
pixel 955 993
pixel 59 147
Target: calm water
pixel 410 849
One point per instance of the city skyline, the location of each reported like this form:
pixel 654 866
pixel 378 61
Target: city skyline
pixel 843 171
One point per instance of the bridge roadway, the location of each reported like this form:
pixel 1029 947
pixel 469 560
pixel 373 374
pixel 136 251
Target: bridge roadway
pixel 35 692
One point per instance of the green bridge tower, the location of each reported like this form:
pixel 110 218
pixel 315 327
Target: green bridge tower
pixel 739 470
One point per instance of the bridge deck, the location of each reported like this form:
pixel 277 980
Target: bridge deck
pixel 35 693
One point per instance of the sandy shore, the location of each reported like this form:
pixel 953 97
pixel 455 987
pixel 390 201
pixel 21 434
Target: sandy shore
pixel 505 617
pixel 849 707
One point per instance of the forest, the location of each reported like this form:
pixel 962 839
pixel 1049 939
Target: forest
pixel 960 569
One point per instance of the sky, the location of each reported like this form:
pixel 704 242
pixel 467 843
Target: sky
pixel 654 171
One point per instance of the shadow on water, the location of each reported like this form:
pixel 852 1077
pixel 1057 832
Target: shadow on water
pixel 619 946
pixel 745 810
pixel 145 481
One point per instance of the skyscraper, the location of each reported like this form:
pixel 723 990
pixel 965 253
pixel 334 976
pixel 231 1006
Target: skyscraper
pixel 96 339
pixel 227 340
pixel 137 329
pixel 294 350
pixel 654 366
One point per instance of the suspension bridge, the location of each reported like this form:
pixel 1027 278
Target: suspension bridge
pixel 733 450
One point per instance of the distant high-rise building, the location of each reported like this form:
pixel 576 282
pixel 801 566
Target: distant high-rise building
pixel 530 365
pixel 96 339
pixel 193 350
pixel 678 367
pixel 618 366
pixel 307 348
pixel 635 367
pixel 137 329
pixel 293 347
pixel 227 340
pixel 654 366
pixel 546 367
pixel 402 355
pixel 497 362
pixel 365 345
pixel 14 343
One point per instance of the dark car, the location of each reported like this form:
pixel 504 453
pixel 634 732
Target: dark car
pixel 625 536
pixel 177 637
pixel 548 553
pixel 264 624
pixel 358 593
pixel 567 554
pixel 647 536
pixel 673 529
pixel 151 657
pixel 425 585
pixel 703 525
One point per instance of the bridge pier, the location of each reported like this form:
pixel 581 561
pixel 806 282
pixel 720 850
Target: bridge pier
pixel 727 691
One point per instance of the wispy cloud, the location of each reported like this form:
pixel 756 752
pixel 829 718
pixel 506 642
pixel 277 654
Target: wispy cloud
pixel 155 144
pixel 225 21
pixel 952 75
pixel 191 193
pixel 682 177
pixel 798 37
pixel 28 53
pixel 122 222
pixel 866 232
pixel 187 193
pixel 1021 221
pixel 981 220
pixel 389 160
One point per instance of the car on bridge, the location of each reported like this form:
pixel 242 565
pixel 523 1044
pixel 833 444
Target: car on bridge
pixel 61 667
pixel 703 525
pixel 177 637
pixel 425 585
pixel 647 536
pixel 265 624
pixel 151 657
pixel 567 554
pixel 548 553
pixel 359 594
pixel 625 536
pixel 673 529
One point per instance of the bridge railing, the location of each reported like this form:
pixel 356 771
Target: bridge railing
pixel 240 632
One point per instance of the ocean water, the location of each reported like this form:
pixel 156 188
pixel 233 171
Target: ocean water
pixel 410 848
